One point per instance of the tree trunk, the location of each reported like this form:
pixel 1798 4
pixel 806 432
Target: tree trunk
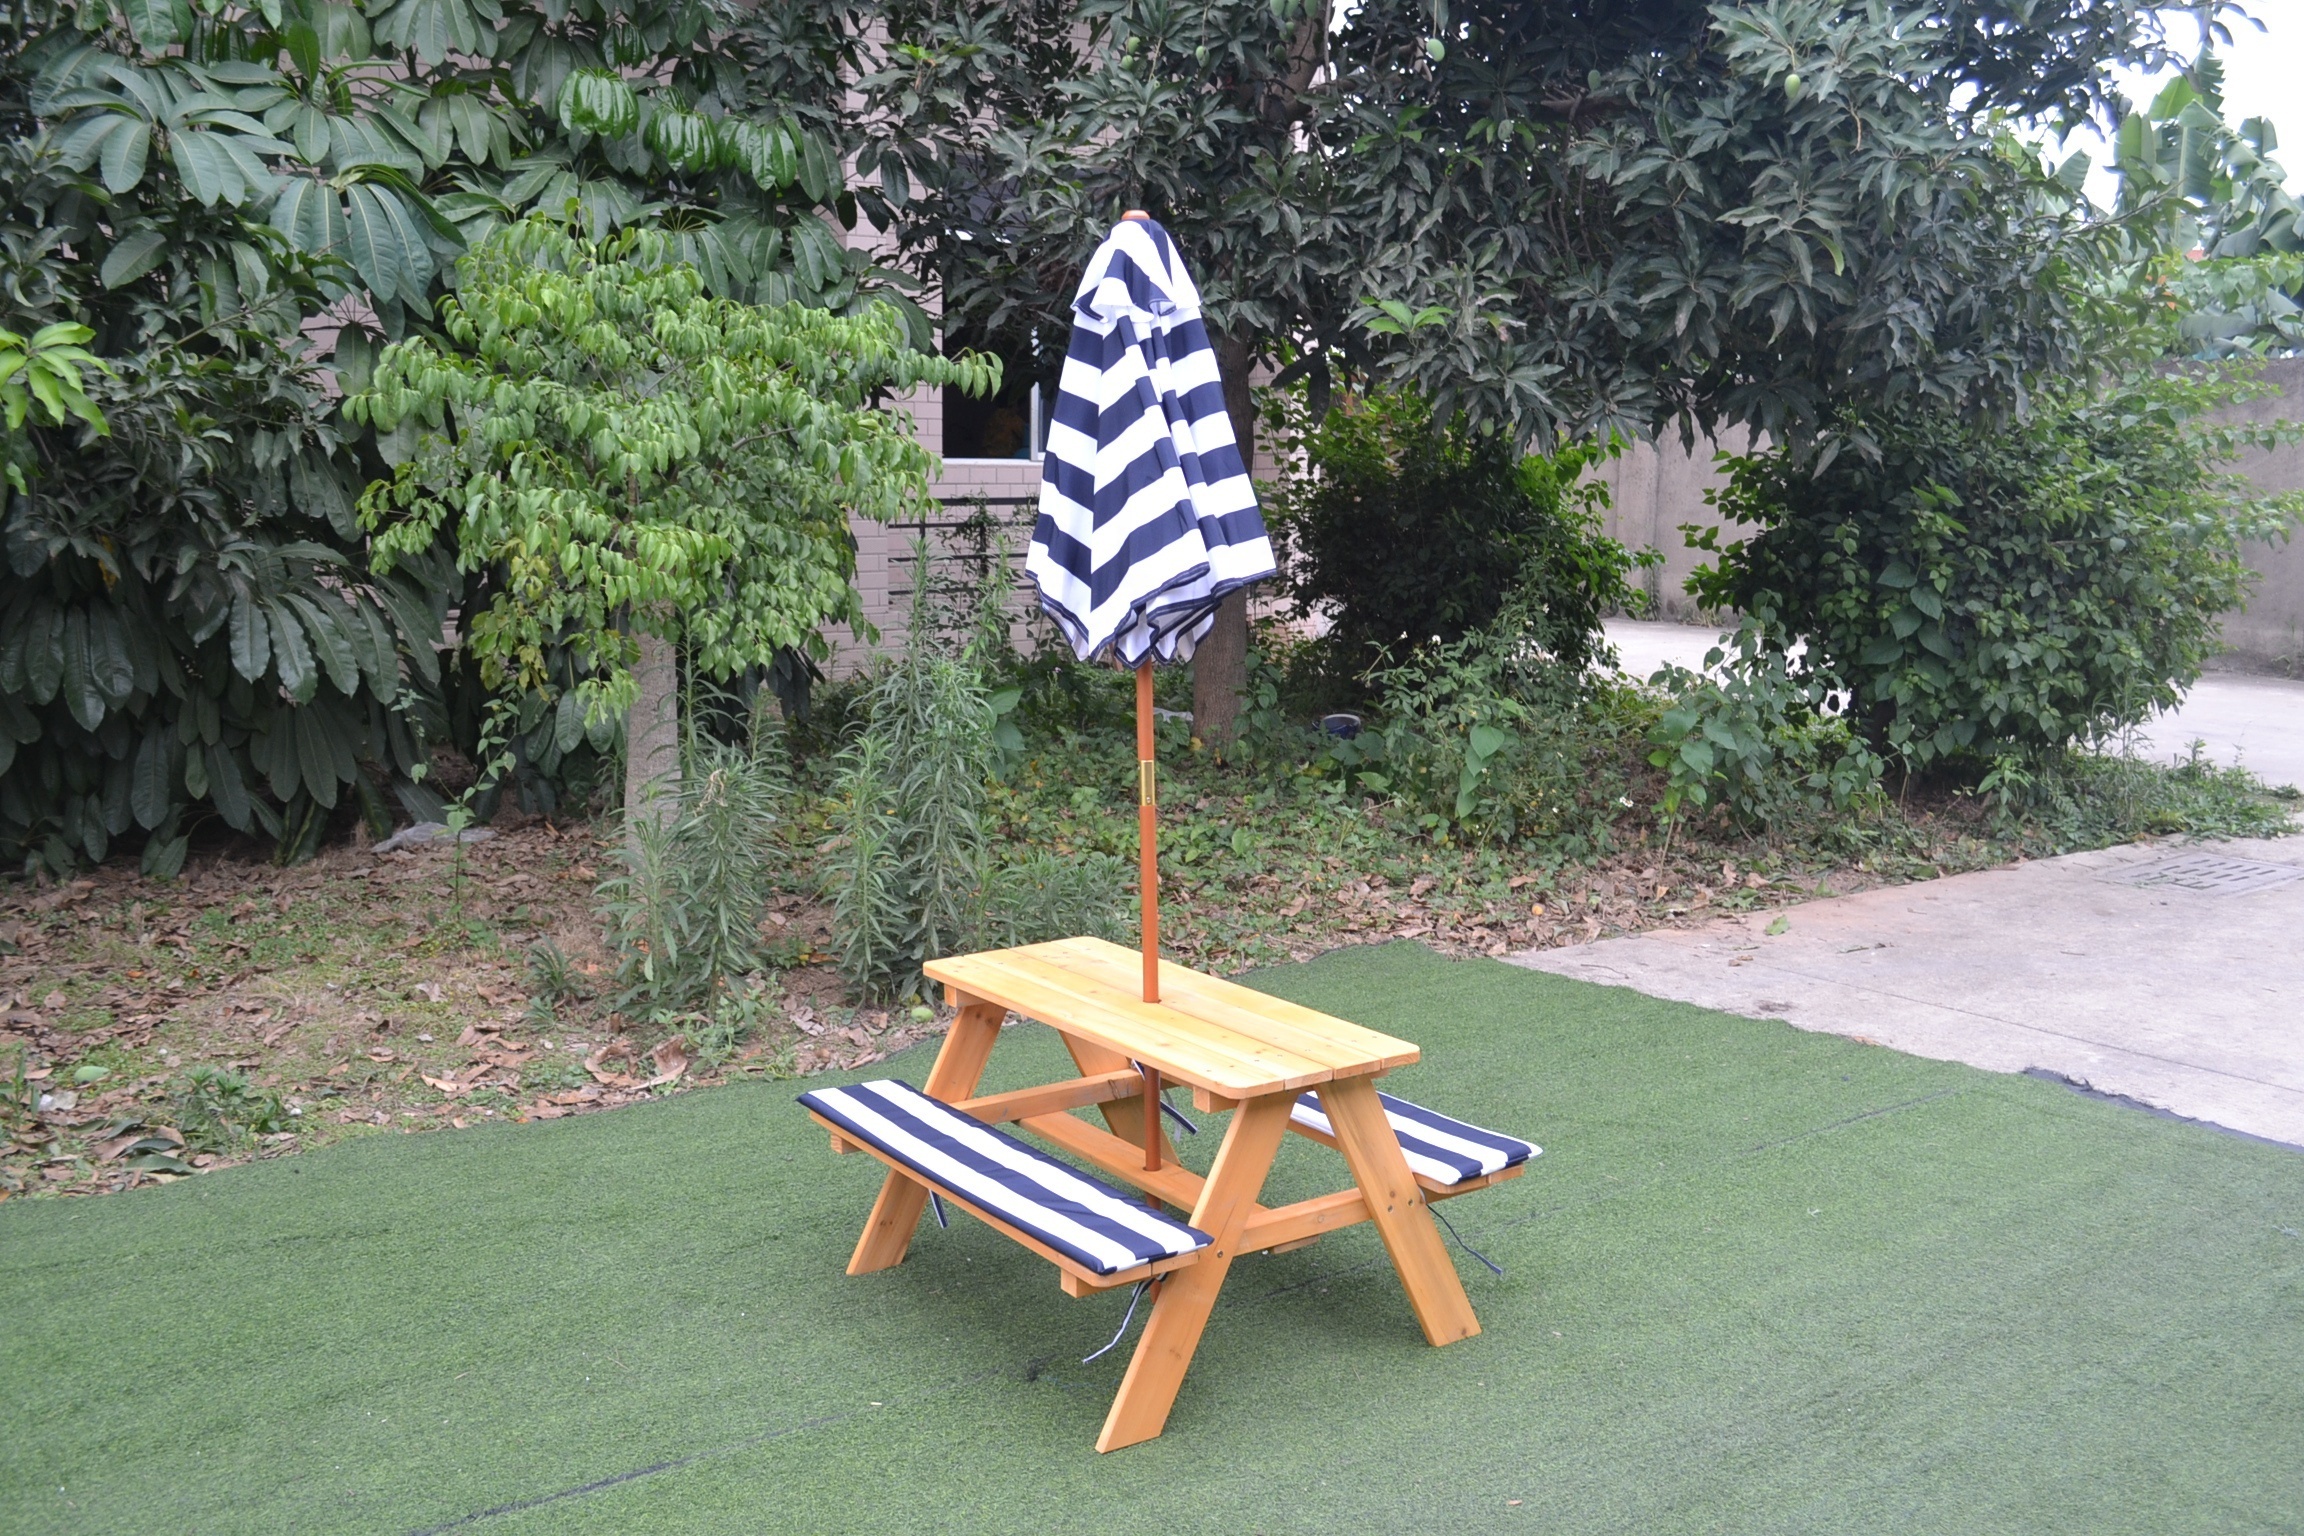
pixel 652 737
pixel 1220 662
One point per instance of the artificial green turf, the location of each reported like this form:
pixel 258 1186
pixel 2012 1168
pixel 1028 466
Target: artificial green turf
pixel 1759 1281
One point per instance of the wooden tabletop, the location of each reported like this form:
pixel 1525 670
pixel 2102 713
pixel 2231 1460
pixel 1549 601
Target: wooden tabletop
pixel 1209 1033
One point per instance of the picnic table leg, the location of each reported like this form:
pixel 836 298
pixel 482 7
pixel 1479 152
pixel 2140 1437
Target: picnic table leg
pixel 888 1231
pixel 1172 1333
pixel 1396 1205
pixel 1124 1118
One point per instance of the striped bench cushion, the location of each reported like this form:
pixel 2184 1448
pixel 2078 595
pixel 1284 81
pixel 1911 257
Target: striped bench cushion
pixel 1440 1149
pixel 1082 1218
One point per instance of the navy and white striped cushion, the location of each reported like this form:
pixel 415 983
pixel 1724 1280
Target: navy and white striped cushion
pixel 1147 516
pixel 1437 1148
pixel 1082 1218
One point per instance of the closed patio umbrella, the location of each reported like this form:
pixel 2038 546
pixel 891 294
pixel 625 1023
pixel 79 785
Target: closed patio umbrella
pixel 1147 516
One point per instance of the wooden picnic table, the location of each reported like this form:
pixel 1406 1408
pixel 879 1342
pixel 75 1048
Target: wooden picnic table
pixel 1238 1050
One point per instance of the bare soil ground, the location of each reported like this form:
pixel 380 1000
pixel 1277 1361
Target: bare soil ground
pixel 149 1030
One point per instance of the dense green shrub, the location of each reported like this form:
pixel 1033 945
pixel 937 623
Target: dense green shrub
pixel 1407 533
pixel 1756 738
pixel 2048 583
pixel 1491 738
pixel 221 192
pixel 188 626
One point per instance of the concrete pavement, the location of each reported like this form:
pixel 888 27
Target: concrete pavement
pixel 2169 972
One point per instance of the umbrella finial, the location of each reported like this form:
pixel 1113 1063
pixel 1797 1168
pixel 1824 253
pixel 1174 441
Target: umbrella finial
pixel 1137 214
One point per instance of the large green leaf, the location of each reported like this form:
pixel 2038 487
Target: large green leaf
pixel 292 654
pixel 311 215
pixel 819 165
pixel 599 101
pixel 374 245
pixel 158 24
pixel 136 254
pixel 343 32
pixel 684 139
pixel 151 788
pixel 272 753
pixel 44 653
pixel 251 637
pixel 329 643
pixel 109 665
pixel 207 171
pixel 319 491
pixel 227 790
pixel 314 757
pixel 434 29
pixel 125 154
pixel 82 143
pixel 419 630
pixel 379 656
pixel 80 693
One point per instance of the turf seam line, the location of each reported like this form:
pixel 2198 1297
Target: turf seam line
pixel 518 1506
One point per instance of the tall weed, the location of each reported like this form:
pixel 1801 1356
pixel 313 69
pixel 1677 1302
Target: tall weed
pixel 684 911
pixel 1492 738
pixel 914 876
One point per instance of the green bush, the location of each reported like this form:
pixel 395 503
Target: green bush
pixel 187 627
pixel 1408 533
pixel 1757 740
pixel 1978 591
pixel 219 1111
pixel 1492 738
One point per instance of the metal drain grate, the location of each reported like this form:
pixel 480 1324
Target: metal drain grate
pixel 2211 872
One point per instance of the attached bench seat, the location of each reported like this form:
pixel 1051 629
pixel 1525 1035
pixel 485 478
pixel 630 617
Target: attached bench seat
pixel 1439 1150
pixel 1004 1180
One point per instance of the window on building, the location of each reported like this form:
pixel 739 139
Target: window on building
pixel 1012 424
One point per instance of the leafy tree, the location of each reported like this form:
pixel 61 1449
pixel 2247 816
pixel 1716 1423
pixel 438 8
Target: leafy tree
pixel 209 190
pixel 1028 128
pixel 1556 218
pixel 1621 217
pixel 649 465
pixel 2219 240
pixel 388 136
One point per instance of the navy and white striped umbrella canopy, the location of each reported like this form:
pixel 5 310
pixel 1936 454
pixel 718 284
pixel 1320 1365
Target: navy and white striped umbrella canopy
pixel 1147 516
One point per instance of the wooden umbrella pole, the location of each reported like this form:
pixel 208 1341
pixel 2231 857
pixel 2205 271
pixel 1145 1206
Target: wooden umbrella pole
pixel 1147 831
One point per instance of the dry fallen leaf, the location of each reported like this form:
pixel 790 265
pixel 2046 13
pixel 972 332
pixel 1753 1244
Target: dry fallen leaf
pixel 671 1058
pixel 616 1053
pixel 428 990
pixel 54 1001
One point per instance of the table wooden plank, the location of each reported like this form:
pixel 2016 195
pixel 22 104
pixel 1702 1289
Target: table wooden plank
pixel 1339 1043
pixel 1075 1093
pixel 1187 1049
pixel 1396 1205
pixel 1180 1310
